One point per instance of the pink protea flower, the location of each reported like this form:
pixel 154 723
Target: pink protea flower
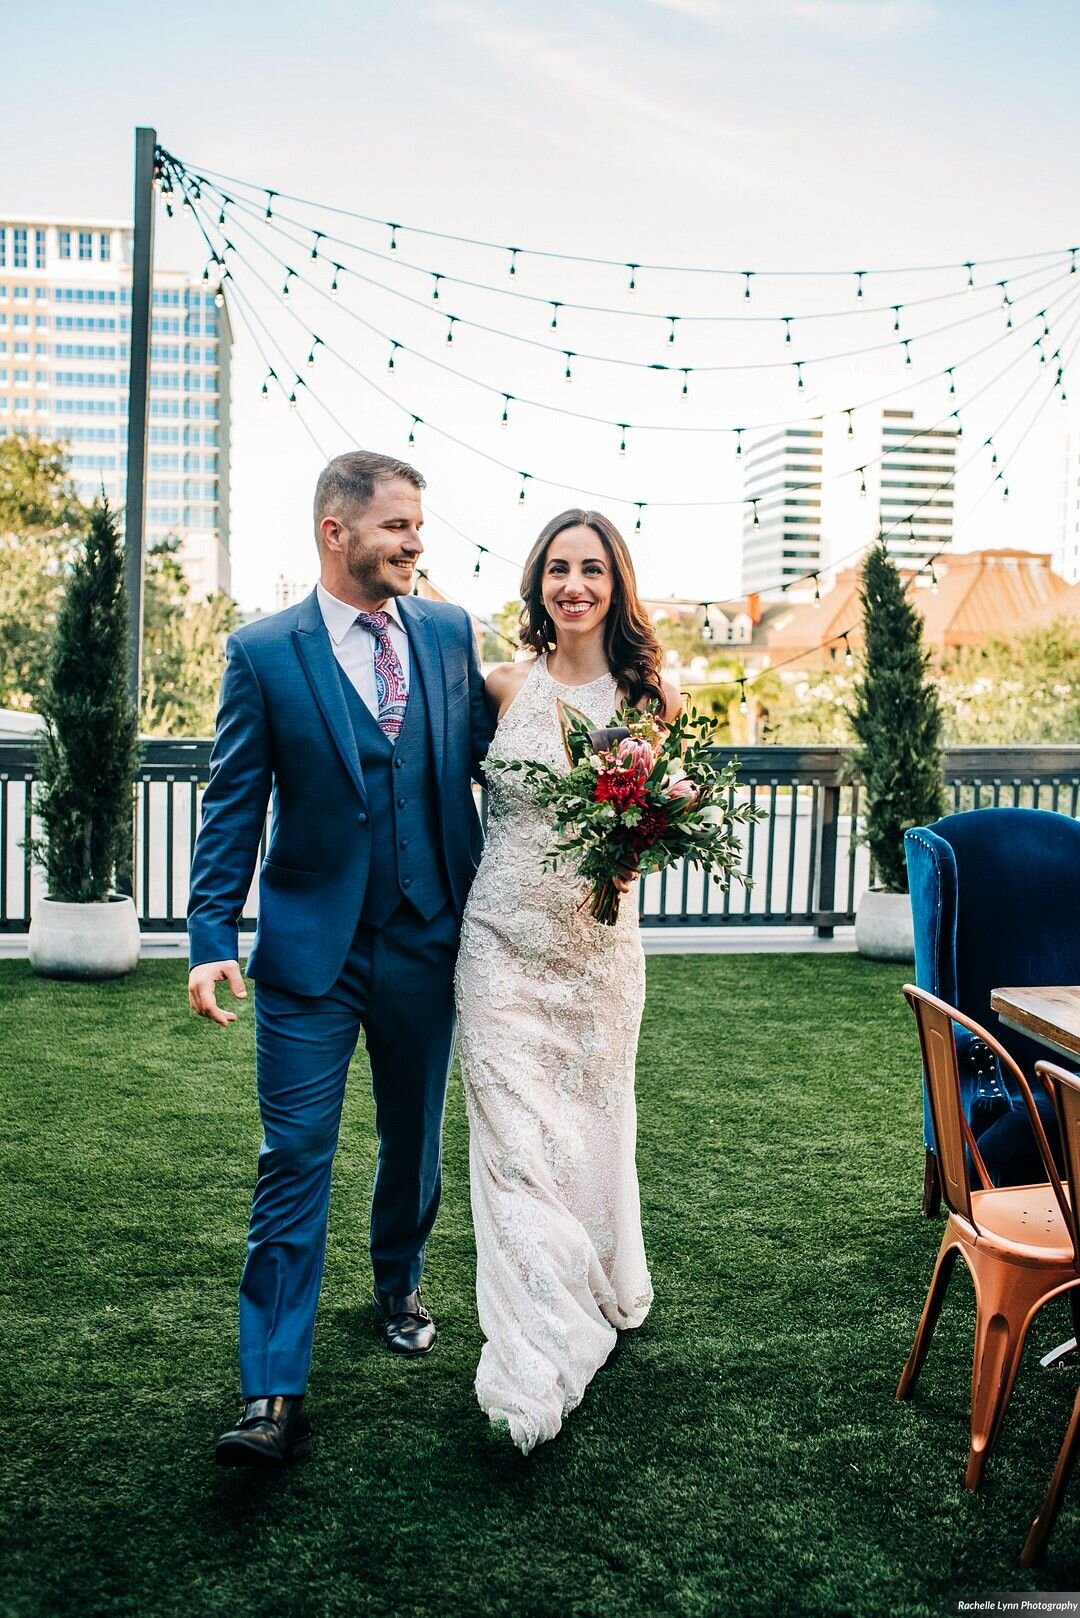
pixel 682 787
pixel 633 754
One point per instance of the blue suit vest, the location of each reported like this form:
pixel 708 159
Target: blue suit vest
pixel 407 862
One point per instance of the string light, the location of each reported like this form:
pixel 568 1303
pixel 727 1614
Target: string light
pixel 412 430
pixel 674 320
pixel 859 282
pixel 393 237
pixel 862 481
pixel 315 244
pixel 390 366
pixel 952 381
pixel 798 375
pixel 435 279
pixel 706 626
pixel 817 589
pixel 524 480
pixel 896 316
pixel 514 251
pixel 787 319
pixel 624 428
pixel 755 523
pixel 271 376
pixel 850 424
pixel 632 284
pixel 567 374
pixel 481 551
pixel 452 321
pixel 505 419
pixel 289 274
pixel 334 282
pixel 969 266
pixel 933 578
pixel 686 382
pixel 555 307
pixel 640 504
pixel 747 278
pixel 849 658
pixel 907 349
pixel 744 706
pixel 316 342
pixel 738 442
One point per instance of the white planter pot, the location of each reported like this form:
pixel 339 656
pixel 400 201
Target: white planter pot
pixel 883 928
pixel 84 940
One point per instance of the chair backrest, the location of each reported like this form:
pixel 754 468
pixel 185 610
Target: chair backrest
pixel 995 898
pixel 1065 1089
pixel 937 1021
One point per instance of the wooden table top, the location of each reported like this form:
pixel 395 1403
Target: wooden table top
pixel 1050 1015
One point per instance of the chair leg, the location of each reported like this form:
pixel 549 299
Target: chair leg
pixel 943 1269
pixel 1044 1522
pixel 1004 1305
pixel 931 1189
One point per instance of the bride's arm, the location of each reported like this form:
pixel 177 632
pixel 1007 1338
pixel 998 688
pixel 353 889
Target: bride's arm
pixel 502 685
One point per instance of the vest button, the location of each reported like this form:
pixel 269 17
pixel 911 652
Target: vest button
pixel 406 882
pixel 361 819
pixel 401 803
pixel 399 764
pixel 404 843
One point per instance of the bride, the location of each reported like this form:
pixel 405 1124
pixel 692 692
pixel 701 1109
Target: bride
pixel 549 1005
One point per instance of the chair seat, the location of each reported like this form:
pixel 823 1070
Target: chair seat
pixel 1024 1220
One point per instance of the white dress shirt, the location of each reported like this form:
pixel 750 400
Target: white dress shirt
pixel 354 646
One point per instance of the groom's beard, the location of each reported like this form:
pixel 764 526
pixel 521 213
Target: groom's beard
pixel 373 573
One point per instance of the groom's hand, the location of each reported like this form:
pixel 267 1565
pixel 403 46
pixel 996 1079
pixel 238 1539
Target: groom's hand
pixel 201 996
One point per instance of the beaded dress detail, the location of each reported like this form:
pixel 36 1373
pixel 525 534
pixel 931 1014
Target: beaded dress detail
pixel 549 1006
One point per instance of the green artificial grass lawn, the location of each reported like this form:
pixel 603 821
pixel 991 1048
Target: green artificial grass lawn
pixel 742 1453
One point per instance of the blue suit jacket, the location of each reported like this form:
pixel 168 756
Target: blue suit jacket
pixel 283 729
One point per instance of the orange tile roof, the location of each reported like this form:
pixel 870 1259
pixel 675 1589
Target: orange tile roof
pixel 980 594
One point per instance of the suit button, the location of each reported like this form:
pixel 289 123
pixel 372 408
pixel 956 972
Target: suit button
pixel 361 819
pixel 404 843
pixel 406 882
pixel 401 803
pixel 399 764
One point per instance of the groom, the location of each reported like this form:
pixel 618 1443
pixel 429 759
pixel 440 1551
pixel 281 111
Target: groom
pixel 361 712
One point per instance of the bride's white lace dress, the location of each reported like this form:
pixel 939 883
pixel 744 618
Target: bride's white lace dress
pixel 549 1004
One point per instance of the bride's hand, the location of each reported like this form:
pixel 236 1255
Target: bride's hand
pixel 625 877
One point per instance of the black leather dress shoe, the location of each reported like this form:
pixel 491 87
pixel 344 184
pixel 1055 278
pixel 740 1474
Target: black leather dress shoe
pixel 404 1324
pixel 270 1432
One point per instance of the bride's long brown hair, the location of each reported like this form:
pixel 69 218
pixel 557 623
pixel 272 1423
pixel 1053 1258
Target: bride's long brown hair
pixel 630 644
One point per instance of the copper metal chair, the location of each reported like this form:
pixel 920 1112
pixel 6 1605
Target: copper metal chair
pixel 1017 1242
pixel 1065 1089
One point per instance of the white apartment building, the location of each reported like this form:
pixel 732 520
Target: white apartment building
pixel 1067 550
pixel 884 472
pixel 65 307
pixel 782 485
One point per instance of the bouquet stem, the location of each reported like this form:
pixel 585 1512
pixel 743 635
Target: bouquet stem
pixel 604 903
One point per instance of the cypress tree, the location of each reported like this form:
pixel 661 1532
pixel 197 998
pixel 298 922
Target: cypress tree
pixel 90 748
pixel 897 721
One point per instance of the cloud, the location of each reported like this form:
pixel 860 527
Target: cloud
pixel 676 132
pixel 851 19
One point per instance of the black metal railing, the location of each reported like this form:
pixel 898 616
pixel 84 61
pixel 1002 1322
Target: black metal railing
pixel 803 856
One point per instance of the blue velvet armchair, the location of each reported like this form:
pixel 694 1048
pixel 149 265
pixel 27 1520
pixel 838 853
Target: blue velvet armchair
pixel 995 901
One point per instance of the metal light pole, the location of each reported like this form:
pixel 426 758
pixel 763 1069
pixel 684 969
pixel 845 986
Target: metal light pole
pixel 139 397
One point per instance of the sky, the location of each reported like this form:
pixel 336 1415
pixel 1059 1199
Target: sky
pixel 787 135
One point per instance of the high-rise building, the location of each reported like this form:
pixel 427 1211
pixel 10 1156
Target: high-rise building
pixel 1067 551
pixel 886 474
pixel 782 519
pixel 65 311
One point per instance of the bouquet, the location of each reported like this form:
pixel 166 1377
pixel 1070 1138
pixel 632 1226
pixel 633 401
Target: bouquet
pixel 640 795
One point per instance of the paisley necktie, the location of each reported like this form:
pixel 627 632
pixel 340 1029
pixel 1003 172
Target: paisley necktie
pixel 389 674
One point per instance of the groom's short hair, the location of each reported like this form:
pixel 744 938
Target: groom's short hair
pixel 347 483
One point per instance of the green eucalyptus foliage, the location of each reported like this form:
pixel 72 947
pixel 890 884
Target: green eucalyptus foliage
pixel 90 749
pixel 896 720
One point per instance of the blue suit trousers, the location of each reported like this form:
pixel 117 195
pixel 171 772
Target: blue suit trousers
pixel 396 985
